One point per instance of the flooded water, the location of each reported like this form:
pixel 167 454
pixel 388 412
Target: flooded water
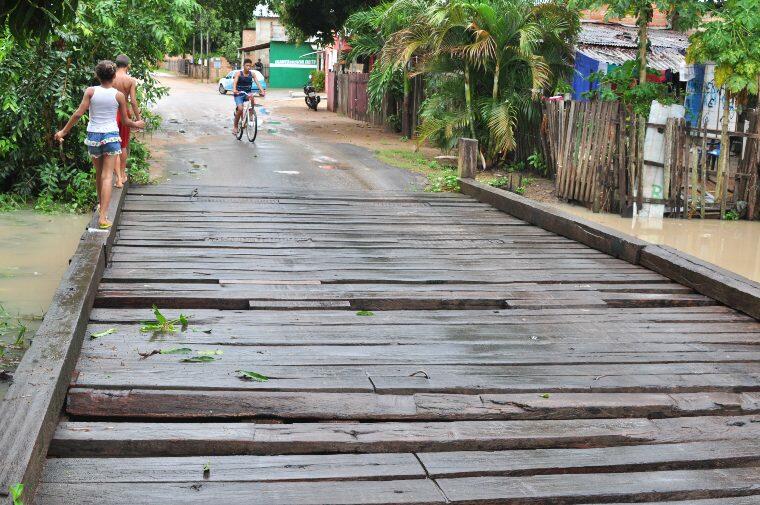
pixel 733 245
pixel 34 252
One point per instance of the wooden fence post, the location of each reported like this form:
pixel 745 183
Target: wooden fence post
pixel 468 158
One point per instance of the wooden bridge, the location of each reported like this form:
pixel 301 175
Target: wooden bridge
pixel 419 349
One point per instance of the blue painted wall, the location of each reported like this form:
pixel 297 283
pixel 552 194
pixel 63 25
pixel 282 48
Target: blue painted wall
pixel 584 66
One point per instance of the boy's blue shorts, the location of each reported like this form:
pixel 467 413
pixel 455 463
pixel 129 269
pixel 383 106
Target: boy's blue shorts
pixel 242 98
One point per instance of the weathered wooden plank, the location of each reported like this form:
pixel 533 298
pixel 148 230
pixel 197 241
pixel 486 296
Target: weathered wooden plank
pixel 332 467
pixel 516 318
pixel 127 439
pixel 529 352
pixel 401 492
pixel 29 411
pixel 636 458
pixel 187 404
pixel 565 489
pixel 734 500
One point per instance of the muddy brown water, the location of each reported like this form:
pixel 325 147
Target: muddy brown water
pixel 34 253
pixel 733 245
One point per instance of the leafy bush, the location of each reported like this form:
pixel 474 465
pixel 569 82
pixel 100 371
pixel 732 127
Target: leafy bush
pixel 42 81
pixel 318 80
pixel 446 180
pixel 624 77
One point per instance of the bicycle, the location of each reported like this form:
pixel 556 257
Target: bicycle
pixel 248 121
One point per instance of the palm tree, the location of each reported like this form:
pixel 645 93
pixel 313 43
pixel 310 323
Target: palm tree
pixel 517 47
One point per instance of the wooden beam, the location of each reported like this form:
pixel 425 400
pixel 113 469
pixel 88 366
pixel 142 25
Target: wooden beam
pixel 30 410
pixel 468 158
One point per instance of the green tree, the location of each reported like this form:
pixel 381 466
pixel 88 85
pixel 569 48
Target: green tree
pixel 319 19
pixel 42 79
pixel 730 40
pixel 29 18
pixel 505 53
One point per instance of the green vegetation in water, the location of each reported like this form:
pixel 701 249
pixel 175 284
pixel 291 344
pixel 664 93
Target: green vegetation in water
pixel 365 313
pixel 252 376
pixel 731 215
pixel 16 491
pixel 164 325
pixel 13 327
pixel 10 202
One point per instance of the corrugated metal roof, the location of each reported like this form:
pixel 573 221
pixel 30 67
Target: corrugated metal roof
pixel 657 58
pixel 614 43
pixel 604 34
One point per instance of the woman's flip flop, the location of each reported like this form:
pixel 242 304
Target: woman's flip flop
pixel 104 226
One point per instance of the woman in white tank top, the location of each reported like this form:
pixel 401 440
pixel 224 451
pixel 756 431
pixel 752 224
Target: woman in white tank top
pixel 103 141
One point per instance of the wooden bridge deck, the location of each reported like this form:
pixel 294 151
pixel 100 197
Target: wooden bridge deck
pixel 502 363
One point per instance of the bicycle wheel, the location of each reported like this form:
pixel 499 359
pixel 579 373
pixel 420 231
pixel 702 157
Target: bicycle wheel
pixel 252 128
pixel 241 125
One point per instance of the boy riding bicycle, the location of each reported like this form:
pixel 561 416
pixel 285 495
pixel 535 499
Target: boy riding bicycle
pixel 242 90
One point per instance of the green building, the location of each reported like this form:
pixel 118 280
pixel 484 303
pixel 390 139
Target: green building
pixel 286 65
pixel 289 66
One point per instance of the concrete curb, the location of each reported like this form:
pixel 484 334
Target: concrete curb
pixel 726 287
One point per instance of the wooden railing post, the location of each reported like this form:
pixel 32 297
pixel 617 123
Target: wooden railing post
pixel 468 158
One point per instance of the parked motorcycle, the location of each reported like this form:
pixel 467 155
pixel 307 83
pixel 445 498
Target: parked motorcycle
pixel 310 95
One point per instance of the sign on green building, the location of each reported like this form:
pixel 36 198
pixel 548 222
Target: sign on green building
pixel 290 65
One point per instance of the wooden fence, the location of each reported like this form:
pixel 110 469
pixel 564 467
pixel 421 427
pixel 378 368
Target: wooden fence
pixel 591 148
pixel 583 144
pixel 196 71
pixel 348 96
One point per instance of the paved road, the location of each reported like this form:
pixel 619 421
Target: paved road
pixel 198 146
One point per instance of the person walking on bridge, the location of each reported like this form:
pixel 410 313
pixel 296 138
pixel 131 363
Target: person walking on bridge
pixel 128 86
pixel 103 141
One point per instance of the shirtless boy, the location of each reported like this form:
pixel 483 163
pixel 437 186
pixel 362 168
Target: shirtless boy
pixel 128 86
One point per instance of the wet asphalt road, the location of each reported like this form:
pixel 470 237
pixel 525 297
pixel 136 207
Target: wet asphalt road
pixel 195 145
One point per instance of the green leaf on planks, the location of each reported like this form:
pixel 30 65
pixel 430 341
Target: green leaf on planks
pixel 16 490
pixel 365 313
pixel 207 469
pixel 198 359
pixel 160 318
pixel 176 350
pixel 544 395
pixel 213 352
pixel 164 325
pixel 257 377
pixel 109 331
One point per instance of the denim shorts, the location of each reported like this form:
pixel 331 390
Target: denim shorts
pixel 242 97
pixel 99 144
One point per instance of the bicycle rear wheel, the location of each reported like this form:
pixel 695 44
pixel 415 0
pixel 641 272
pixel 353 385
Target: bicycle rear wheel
pixel 252 128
